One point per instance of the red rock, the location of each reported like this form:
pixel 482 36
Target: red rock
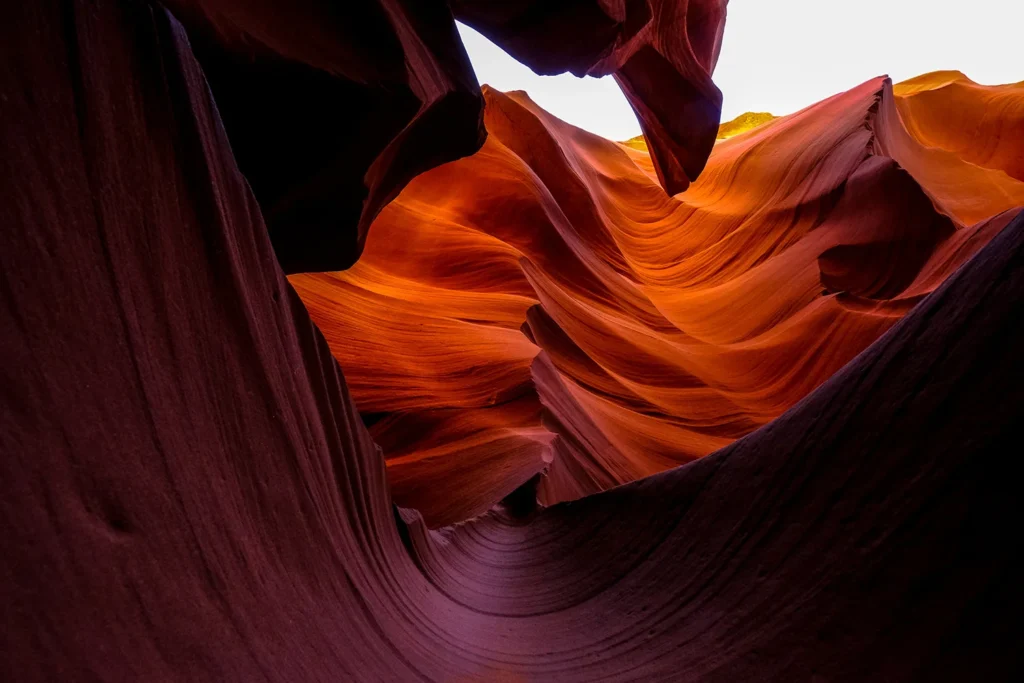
pixel 331 108
pixel 187 491
pixel 671 326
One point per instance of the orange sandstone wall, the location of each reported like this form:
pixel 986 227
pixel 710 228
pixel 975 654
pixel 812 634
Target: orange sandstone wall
pixel 544 306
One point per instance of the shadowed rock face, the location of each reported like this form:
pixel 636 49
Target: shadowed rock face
pixel 332 107
pixel 543 306
pixel 187 491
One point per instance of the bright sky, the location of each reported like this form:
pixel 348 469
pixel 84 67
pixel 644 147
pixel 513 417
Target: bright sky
pixel 782 55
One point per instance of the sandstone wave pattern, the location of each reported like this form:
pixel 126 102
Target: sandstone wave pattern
pixel 543 308
pixel 188 487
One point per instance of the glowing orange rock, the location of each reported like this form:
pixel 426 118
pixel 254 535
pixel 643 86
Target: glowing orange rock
pixel 187 491
pixel 670 326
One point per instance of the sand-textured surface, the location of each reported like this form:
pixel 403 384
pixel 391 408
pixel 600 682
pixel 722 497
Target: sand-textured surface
pixel 187 488
pixel 543 306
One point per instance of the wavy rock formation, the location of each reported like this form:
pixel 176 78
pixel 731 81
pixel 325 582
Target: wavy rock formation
pixel 187 491
pixel 981 124
pixel 670 326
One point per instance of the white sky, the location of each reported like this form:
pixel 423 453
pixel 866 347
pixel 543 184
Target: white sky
pixel 782 55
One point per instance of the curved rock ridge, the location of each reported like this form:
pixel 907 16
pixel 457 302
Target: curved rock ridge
pixel 981 124
pixel 966 185
pixel 670 326
pixel 187 492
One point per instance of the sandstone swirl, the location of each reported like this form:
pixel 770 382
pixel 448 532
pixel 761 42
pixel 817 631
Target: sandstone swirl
pixel 188 491
pixel 543 306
